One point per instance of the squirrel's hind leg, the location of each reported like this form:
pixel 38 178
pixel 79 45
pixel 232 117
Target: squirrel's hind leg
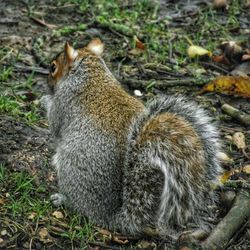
pixel 143 185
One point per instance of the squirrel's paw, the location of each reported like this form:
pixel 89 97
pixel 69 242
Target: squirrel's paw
pixel 57 199
pixel 46 101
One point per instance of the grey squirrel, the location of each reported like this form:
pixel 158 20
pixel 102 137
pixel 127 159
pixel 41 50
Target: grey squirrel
pixel 124 165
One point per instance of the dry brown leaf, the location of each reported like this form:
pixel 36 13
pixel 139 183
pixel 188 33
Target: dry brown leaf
pixel 32 215
pixel 224 157
pixel 136 52
pixel 44 235
pixel 195 51
pixel 220 4
pixel 139 44
pixel 239 140
pixel 119 241
pixel 246 169
pixel 58 214
pixel 102 231
pixel 231 85
pixel 245 57
pixel 220 59
pixel 139 47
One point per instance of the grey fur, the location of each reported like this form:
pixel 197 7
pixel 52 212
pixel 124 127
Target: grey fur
pixel 143 186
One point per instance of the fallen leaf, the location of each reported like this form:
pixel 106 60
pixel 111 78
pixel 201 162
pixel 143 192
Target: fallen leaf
pixel 44 235
pixel 119 241
pixel 224 157
pixel 195 51
pixel 139 47
pixel 224 177
pixel 230 85
pixel 136 52
pixel 32 216
pixel 147 245
pixel 245 57
pixel 239 140
pixel 220 59
pixel 246 169
pixel 139 44
pixel 103 231
pixel 58 214
pixel 220 4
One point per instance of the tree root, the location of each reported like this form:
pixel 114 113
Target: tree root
pixel 223 232
pixel 237 114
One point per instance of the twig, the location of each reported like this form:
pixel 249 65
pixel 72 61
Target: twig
pixel 135 83
pixel 28 69
pixel 224 231
pixel 215 66
pixel 43 23
pixel 237 114
pixel 238 233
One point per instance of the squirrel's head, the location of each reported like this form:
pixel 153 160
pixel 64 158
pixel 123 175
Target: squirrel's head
pixel 64 61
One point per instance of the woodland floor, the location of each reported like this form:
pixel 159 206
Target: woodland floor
pixel 32 32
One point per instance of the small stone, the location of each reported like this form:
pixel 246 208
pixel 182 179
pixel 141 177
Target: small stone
pixel 137 93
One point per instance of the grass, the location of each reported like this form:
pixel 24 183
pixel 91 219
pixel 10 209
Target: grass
pixel 15 98
pixel 26 202
pixel 141 19
pixel 16 107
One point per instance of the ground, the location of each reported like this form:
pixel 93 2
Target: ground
pixel 146 49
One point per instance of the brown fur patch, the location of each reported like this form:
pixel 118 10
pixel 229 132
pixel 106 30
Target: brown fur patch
pixel 181 138
pixel 106 102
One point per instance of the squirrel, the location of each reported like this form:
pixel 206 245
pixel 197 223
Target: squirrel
pixel 124 165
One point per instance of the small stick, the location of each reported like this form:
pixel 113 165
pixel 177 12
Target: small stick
pixel 164 84
pixel 237 114
pixel 224 231
pixel 43 23
pixel 27 69
pixel 215 66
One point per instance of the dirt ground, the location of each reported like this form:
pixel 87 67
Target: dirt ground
pixel 31 33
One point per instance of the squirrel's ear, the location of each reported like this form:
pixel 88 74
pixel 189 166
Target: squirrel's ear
pixel 70 52
pixel 96 46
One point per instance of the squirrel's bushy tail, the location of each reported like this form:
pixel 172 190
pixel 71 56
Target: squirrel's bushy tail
pixel 170 163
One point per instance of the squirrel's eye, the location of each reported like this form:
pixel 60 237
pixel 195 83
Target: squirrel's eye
pixel 52 67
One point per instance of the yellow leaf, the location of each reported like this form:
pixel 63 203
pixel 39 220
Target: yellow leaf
pixel 239 140
pixel 231 85
pixel 194 51
pixel 225 176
